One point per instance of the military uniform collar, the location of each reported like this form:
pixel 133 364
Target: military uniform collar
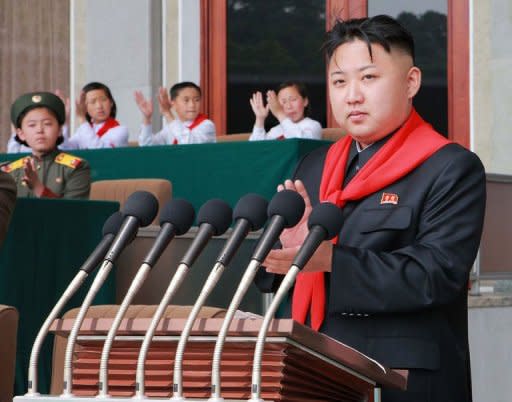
pixel 49 156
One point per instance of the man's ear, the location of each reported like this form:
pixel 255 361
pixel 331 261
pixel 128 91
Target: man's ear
pixel 413 81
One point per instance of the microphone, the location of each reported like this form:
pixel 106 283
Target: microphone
pixel 213 218
pixel 285 210
pixel 139 210
pixel 324 223
pixel 249 215
pixel 110 229
pixel 176 218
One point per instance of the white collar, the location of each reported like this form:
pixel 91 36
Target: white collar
pixel 360 149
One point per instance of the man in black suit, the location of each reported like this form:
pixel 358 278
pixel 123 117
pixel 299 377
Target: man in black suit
pixel 394 283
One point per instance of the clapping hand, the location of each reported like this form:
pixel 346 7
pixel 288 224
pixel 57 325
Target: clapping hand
pixel 275 106
pixel 279 261
pixel 165 104
pixel 31 178
pixel 145 106
pixel 81 107
pixel 260 110
pixel 295 236
pixel 67 104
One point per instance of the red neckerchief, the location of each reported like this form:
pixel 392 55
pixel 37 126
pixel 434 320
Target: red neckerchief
pixel 109 123
pixel 197 121
pixel 408 148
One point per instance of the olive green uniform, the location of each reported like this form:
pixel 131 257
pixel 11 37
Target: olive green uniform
pixel 62 174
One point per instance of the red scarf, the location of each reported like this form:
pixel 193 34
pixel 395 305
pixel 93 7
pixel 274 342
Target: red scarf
pixel 109 123
pixel 197 121
pixel 408 148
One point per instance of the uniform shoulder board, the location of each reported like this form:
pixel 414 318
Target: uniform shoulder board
pixel 68 160
pixel 17 164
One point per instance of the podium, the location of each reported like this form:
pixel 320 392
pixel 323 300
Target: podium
pixel 298 364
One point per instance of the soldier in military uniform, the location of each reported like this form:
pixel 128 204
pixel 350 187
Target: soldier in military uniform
pixel 48 172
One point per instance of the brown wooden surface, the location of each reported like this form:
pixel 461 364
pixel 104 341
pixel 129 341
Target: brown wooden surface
pixel 289 373
pixel 458 72
pixel 214 61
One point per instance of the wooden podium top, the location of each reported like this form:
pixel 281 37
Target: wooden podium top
pixel 280 330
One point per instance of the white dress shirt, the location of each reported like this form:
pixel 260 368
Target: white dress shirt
pixel 178 132
pixel 306 128
pixel 86 137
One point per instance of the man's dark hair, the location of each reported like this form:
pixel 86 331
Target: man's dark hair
pixel 301 88
pixel 91 86
pixel 381 29
pixel 176 88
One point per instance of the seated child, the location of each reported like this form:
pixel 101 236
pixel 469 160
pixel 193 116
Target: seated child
pixel 188 127
pixel 38 118
pixel 290 106
pixel 96 111
pixel 14 146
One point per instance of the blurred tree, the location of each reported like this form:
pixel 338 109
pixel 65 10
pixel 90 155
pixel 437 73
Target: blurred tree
pixel 430 38
pixel 279 37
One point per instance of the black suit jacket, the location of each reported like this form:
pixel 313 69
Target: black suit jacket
pixel 398 286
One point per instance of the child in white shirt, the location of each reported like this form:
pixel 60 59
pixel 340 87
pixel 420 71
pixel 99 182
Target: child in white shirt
pixel 96 111
pixel 188 127
pixel 290 106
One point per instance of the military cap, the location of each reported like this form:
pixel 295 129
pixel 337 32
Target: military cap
pixel 32 100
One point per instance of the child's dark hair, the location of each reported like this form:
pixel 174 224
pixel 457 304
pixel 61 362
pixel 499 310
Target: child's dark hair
pixel 176 88
pixel 60 139
pixel 381 29
pixel 91 86
pixel 301 88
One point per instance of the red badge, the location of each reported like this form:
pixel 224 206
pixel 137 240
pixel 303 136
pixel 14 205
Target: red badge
pixel 389 198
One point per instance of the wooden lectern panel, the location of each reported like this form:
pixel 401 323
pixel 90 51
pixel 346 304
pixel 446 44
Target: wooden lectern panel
pixel 287 374
pixel 298 364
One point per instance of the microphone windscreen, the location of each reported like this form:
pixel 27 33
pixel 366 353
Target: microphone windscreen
pixel 142 205
pixel 217 213
pixel 328 216
pixel 180 213
pixel 253 208
pixel 289 204
pixel 113 223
